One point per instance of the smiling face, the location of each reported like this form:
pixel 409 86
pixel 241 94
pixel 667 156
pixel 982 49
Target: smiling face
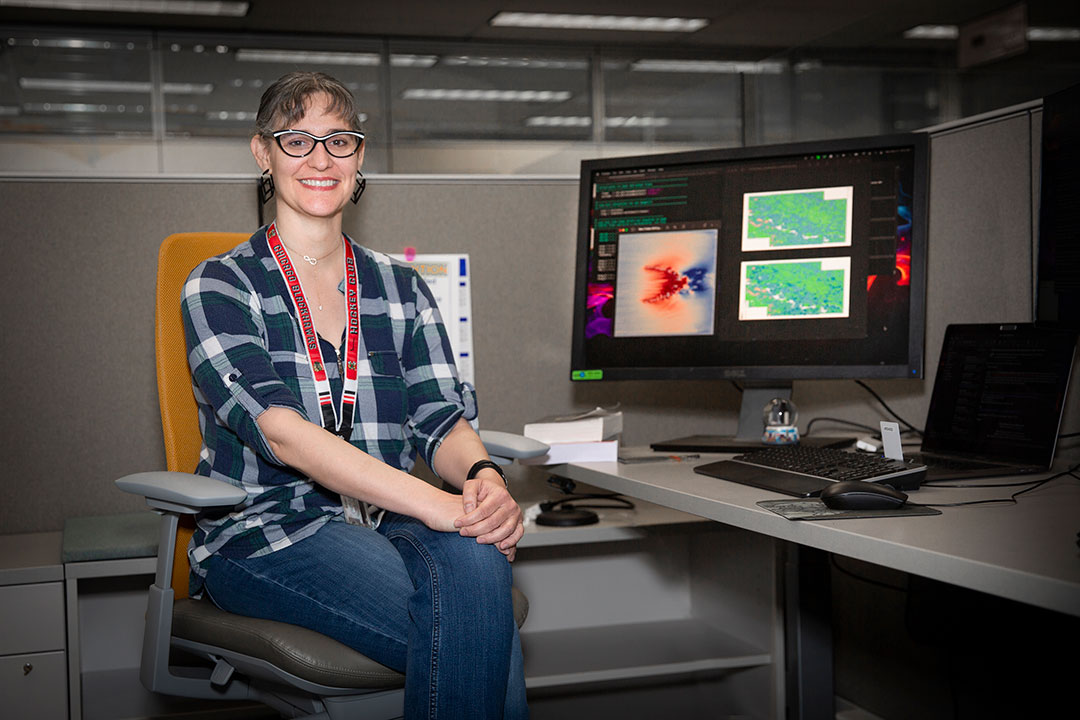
pixel 317 185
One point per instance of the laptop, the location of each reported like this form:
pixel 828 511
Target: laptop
pixel 997 402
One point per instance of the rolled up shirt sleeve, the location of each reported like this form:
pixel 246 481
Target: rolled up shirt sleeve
pixel 437 397
pixel 232 369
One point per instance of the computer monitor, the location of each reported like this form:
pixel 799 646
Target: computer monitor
pixel 761 265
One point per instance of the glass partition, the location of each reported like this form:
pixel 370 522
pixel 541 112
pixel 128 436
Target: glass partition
pixel 177 102
pixel 488 93
pixel 661 100
pixel 76 83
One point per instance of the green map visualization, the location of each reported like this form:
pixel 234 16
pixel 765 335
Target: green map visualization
pixel 798 218
pixel 793 289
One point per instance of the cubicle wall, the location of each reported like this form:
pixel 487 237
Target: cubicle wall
pixel 77 304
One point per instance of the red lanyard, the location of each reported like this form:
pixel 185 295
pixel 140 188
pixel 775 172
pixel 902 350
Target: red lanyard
pixel 335 422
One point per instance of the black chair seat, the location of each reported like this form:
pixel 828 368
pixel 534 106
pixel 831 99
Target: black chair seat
pixel 305 653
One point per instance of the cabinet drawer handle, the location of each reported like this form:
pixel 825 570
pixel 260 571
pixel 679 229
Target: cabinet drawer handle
pixel 27 668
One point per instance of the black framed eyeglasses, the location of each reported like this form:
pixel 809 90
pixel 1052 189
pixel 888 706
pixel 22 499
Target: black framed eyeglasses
pixel 298 143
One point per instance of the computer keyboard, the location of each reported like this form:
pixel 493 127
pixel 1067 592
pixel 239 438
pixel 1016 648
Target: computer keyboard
pixel 805 471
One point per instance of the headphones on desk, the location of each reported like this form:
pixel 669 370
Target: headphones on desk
pixel 570 512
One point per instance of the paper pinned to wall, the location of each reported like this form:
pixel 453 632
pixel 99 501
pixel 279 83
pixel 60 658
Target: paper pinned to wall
pixel 448 277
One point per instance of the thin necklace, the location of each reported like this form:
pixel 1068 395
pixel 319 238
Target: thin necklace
pixel 311 260
pixel 314 262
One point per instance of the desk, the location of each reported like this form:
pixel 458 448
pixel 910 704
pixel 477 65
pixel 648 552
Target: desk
pixel 1025 552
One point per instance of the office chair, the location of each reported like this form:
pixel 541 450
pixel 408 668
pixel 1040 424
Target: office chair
pixel 298 672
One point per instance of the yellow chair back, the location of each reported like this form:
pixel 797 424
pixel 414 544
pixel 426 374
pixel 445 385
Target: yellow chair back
pixel 179 255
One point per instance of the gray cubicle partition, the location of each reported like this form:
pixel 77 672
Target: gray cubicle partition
pixel 77 305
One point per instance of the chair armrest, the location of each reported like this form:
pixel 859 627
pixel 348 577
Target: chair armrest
pixel 183 492
pixel 506 447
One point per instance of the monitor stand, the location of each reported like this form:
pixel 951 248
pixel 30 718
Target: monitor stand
pixel 751 427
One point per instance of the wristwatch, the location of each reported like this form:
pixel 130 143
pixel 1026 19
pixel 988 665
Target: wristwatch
pixel 481 464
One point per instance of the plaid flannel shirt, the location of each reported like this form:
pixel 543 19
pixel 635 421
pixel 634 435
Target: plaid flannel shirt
pixel 247 354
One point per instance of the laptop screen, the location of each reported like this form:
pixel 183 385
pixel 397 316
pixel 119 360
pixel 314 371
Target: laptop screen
pixel 999 392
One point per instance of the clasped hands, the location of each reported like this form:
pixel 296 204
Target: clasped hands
pixel 491 514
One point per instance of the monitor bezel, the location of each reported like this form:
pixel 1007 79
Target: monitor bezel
pixel 914 366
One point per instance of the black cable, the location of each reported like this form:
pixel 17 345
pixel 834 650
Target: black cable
pixel 1032 485
pixel 862 578
pixel 1068 435
pixel 563 484
pixel 571 502
pixel 885 405
pixel 840 421
pixel 566 486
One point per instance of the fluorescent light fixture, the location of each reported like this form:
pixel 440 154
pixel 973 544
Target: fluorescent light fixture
pixel 244 115
pixel 952 32
pixel 76 43
pixel 308 57
pixel 161 7
pixel 87 86
pixel 413 61
pixel 634 121
pixel 230 116
pixel 187 88
pixel 807 66
pixel 932 32
pixel 558 121
pixel 464 94
pixel 585 121
pixel 112 86
pixel 6 110
pixel 515 62
pixel 1053 34
pixel 566 21
pixel 766 67
pixel 81 108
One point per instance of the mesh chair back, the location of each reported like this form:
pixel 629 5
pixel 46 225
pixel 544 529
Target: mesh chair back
pixel 179 255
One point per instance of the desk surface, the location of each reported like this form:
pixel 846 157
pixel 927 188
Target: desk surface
pixel 1025 552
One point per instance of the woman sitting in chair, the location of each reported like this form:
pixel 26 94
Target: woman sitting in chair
pixel 321 369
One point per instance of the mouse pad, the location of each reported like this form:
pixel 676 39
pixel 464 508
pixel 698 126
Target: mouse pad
pixel 814 509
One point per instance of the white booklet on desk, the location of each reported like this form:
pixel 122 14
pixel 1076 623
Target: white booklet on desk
pixel 589 426
pixel 577 452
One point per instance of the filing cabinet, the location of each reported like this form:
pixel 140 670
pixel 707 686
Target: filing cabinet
pixel 33 657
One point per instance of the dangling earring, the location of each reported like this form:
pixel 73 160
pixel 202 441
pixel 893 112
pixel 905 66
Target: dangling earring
pixel 361 183
pixel 266 186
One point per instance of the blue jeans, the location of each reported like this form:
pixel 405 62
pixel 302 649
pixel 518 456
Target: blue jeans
pixel 434 606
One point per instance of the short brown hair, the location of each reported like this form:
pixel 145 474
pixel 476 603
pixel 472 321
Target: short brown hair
pixel 283 102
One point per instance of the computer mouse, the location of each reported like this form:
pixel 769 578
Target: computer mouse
pixel 859 495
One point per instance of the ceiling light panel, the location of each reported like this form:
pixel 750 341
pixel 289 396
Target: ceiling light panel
pixel 405 60
pixel 1053 34
pixel 82 108
pixel 476 95
pixel 70 43
pixel 112 86
pixel 308 57
pixel 932 32
pixel 765 67
pixel 160 7
pixel 584 121
pixel 566 21
pixel 514 62
pixel 952 32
